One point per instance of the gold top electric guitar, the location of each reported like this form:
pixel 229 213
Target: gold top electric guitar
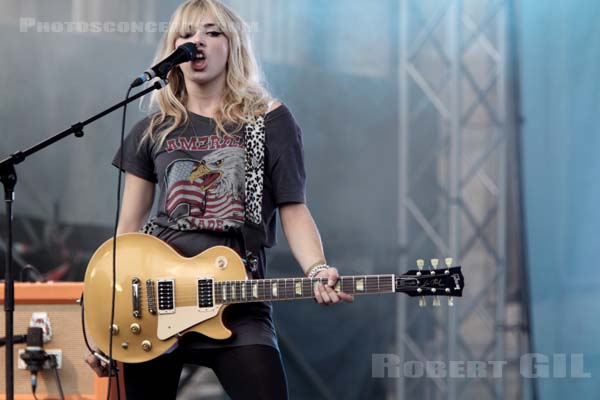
pixel 160 295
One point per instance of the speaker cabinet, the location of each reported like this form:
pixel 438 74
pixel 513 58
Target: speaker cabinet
pixel 59 302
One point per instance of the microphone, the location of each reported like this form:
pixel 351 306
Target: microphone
pixel 34 355
pixel 184 53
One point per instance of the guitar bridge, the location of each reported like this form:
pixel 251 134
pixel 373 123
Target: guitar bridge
pixel 166 296
pixel 206 300
pixel 135 296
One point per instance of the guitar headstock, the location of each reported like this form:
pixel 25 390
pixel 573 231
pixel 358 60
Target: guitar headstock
pixel 448 281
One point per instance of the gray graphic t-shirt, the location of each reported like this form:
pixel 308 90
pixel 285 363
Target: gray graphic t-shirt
pixel 206 194
pixel 200 176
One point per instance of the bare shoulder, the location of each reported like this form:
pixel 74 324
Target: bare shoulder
pixel 275 106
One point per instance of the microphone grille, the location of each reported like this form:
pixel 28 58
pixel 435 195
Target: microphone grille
pixel 189 48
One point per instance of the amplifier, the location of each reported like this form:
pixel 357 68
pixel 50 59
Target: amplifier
pixel 58 301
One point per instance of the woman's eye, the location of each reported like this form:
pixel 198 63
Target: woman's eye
pixel 214 33
pixel 187 33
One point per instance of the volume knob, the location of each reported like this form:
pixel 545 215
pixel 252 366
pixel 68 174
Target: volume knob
pixel 146 345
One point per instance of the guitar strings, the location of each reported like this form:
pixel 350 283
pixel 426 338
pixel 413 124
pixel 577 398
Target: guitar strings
pixel 264 289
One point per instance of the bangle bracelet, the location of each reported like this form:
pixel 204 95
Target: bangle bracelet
pixel 317 269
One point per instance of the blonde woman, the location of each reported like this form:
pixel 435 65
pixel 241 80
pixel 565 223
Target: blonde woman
pixel 194 149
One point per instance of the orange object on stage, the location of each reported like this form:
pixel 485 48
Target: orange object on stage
pixel 59 301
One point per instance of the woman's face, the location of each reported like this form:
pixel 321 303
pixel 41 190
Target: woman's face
pixel 213 51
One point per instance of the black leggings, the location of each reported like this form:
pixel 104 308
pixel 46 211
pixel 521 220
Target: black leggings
pixel 245 372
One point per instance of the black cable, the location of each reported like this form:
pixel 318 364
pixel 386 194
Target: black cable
pixel 87 343
pixel 54 366
pixel 114 271
pixel 92 351
pixel 85 339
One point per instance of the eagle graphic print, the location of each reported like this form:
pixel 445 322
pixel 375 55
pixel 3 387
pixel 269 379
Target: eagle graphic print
pixel 206 194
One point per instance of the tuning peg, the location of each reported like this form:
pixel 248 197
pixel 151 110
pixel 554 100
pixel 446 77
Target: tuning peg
pixel 448 262
pixel 435 262
pixel 450 301
pixel 436 301
pixel 420 265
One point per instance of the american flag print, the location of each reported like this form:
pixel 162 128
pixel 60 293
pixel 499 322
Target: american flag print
pixel 206 194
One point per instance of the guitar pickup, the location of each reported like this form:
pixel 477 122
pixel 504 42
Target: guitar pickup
pixel 166 296
pixel 205 294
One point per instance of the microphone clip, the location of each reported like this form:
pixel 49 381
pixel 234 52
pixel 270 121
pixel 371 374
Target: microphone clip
pixel 34 355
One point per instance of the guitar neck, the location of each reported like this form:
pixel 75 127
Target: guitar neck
pixel 254 290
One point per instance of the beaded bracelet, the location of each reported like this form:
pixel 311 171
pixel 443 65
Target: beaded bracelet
pixel 313 266
pixel 315 270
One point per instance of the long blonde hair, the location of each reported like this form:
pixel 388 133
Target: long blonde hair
pixel 244 97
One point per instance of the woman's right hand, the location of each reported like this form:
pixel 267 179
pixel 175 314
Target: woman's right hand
pixel 99 367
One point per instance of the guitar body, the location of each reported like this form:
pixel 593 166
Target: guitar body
pixel 142 336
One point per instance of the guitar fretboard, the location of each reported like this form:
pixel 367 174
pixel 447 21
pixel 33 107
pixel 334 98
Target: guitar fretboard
pixel 229 292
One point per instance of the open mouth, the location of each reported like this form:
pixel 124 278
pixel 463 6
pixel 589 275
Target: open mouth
pixel 200 61
pixel 200 55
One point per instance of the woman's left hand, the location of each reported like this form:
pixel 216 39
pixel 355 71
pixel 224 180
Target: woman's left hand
pixel 326 294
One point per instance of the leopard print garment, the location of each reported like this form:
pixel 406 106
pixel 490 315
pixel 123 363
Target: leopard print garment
pixel 254 141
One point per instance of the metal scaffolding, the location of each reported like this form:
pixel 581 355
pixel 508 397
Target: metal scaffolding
pixel 453 137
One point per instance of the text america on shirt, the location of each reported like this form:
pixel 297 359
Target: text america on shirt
pixel 204 143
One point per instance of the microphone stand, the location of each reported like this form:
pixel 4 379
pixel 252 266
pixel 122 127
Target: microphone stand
pixel 8 177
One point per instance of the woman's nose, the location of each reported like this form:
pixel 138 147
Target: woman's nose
pixel 199 39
